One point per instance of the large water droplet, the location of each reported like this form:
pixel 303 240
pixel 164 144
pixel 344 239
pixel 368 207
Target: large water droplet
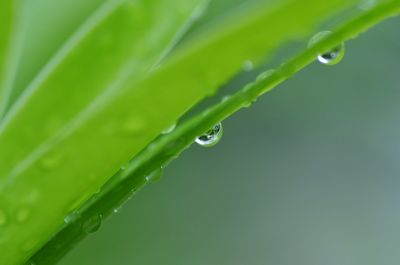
pixel 331 57
pixel 3 218
pixel 211 137
pixel 92 224
pixel 22 215
pixel 155 175
pixel 169 129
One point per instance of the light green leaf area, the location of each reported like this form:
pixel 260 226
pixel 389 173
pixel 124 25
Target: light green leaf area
pixel 47 25
pixel 9 15
pixel 107 93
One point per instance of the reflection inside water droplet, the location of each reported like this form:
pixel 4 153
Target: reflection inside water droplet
pixel 211 137
pixel 331 57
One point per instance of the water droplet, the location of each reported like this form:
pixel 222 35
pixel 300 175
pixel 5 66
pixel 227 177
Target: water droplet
pixel 92 224
pixel 22 215
pixel 155 175
pixel 248 66
pixel 264 75
pixel 331 57
pixel 71 217
pixel 169 129
pixel 211 137
pixel 3 218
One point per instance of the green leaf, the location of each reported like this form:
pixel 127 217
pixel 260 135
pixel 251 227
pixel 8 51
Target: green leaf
pixel 122 38
pixel 47 25
pixel 94 129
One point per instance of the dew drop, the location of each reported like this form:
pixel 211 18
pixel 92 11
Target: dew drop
pixel 211 137
pixel 3 218
pixel 248 66
pixel 22 215
pixel 331 57
pixel 169 129
pixel 92 224
pixel 71 217
pixel 156 175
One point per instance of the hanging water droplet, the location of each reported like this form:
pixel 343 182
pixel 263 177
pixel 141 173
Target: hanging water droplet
pixel 22 215
pixel 3 218
pixel 248 66
pixel 331 57
pixel 211 137
pixel 92 224
pixel 155 175
pixel 169 129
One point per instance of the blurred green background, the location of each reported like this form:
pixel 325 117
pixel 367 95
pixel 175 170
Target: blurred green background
pixel 308 175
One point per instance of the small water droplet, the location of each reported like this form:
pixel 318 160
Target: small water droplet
pixel 22 215
pixel 3 218
pixel 211 137
pixel 226 98
pixel 155 175
pixel 264 75
pixel 169 129
pixel 71 217
pixel 248 66
pixel 331 57
pixel 92 224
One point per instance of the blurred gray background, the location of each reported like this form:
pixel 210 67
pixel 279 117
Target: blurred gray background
pixel 309 175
